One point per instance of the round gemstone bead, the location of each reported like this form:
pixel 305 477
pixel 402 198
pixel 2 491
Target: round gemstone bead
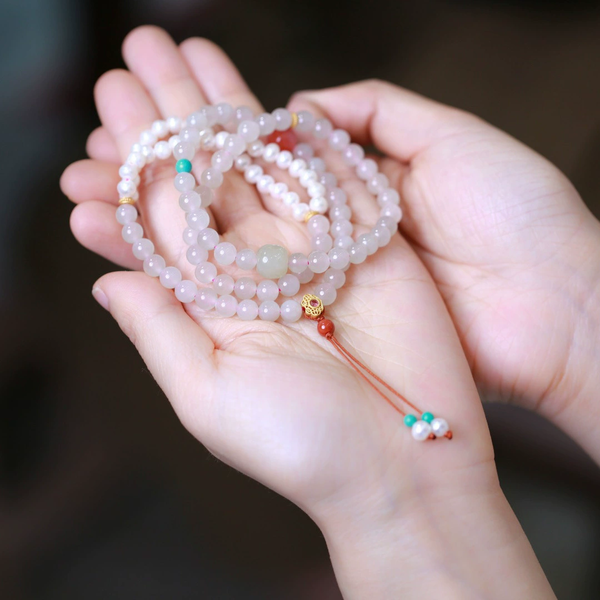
pixel 326 292
pixel 225 253
pixel 339 139
pixel 224 113
pixel 222 160
pixel 358 253
pixel 427 417
pixel 183 165
pixel 143 248
pixel 388 223
pixel 272 261
pixel 184 182
pixel 410 420
pixel 318 261
pixel 339 258
pixel 170 277
pixel 393 211
pixel 345 241
pixel 322 128
pixel 212 178
pixel 154 264
pixel 306 121
pixel 283 119
pixel 267 290
pixel 208 238
pixel 341 228
pixel 288 285
pixel 196 254
pixel 132 232
pixel 185 291
pixel 369 241
pixel 291 311
pixel 190 236
pixel 206 298
pixel 268 310
pixel 190 201
pixel 198 219
pixel 226 306
pixel 317 225
pixel 298 262
pixel 335 277
pixel 366 169
pixel 126 213
pixel 286 140
pixel 382 234
pixel 247 310
pixel 378 183
pixel 245 288
pixel 388 195
pixel 266 123
pixel 248 131
pixel 322 242
pixel 206 272
pixel 223 284
pixel 246 259
pixel 306 276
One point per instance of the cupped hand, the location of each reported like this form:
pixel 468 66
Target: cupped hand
pixel 511 246
pixel 275 401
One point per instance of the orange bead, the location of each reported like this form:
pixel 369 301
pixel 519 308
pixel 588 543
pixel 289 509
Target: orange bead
pixel 326 327
pixel 286 140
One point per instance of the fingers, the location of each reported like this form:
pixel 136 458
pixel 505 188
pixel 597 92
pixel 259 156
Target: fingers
pixel 94 226
pixel 101 146
pixel 87 180
pixel 400 123
pixel 167 338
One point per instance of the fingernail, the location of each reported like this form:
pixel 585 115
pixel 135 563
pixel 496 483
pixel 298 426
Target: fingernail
pixel 100 297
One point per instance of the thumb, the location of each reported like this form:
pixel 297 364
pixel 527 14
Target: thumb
pixel 174 347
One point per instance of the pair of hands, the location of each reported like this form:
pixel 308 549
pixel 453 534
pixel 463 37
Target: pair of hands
pixel 503 259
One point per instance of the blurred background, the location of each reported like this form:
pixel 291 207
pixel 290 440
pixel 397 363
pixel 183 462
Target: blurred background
pixel 102 493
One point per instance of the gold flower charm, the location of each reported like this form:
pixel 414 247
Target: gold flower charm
pixel 313 307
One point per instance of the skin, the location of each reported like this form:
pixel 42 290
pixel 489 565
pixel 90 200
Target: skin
pixel 486 218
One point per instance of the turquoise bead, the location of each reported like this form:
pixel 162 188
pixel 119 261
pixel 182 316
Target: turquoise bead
pixel 410 420
pixel 183 165
pixel 427 417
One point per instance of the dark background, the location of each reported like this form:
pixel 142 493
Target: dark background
pixel 102 493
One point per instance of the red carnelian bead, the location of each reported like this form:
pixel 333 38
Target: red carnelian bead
pixel 286 140
pixel 326 327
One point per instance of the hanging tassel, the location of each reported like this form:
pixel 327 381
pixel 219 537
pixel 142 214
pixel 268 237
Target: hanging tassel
pixel 426 428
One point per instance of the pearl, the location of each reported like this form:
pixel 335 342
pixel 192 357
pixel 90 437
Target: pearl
pixel 299 210
pixel 319 205
pixel 256 148
pixel 245 287
pixel 226 306
pixel 297 167
pixel 271 152
pixel 420 431
pixel 291 311
pixel 268 310
pixel 272 261
pixel 247 310
pixel 263 184
pixel 223 284
pixel 220 139
pixel 290 198
pixel 185 291
pixel 162 150
pixel 170 277
pixel 267 290
pixel 174 124
pixel 439 427
pixel 206 299
pixel 242 163
pixel 253 173
pixel 284 159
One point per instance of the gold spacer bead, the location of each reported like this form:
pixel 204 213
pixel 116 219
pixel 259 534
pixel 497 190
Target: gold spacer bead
pixel 312 305
pixel 294 120
pixel 309 215
pixel 126 200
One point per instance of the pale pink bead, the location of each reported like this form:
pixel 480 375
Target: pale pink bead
pixel 226 306
pixel 222 160
pixel 298 262
pixel 283 119
pixel 184 150
pixel 341 227
pixel 340 212
pixel 223 284
pixel 378 183
pixel 142 248
pixel 256 148
pixel 245 287
pixel 196 254
pixel 326 292
pixel 337 196
pixel 185 291
pixel 154 264
pixel 393 211
pixel 190 200
pixel 338 258
pixel 318 225
pixel 198 220
pixel 206 298
pixel 268 310
pixel 190 236
pixel 339 139
pixel 291 311
pixel 208 238
pixel 206 195
pixel 184 182
pixel 317 165
pixel 322 242
pixel 225 253
pixel 206 272
pixel 353 154
pixel 366 169
pixel 306 276
pixel 126 213
pixel 247 310
pixel 288 285
pixel 344 241
pixel 358 253
pixel 267 290
pixel 323 128
pixel 329 180
pixel 389 223
pixel 224 113
pixel 266 123
pixel 388 195
pixel 306 121
pixel 369 241
pixel 304 151
pixel 234 144
pixel 335 277
pixel 382 234
pixel 132 232
pixel 246 259
pixel 318 262
pixel 212 178
pixel 170 277
pixel 248 131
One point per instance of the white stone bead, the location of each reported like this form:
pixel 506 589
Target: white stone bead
pixel 322 242
pixel 126 213
pixel 378 183
pixel 212 178
pixel 264 183
pixel 253 173
pixel 184 150
pixel 369 241
pixel 329 180
pixel 339 258
pixel 298 166
pixel 393 211
pixel 190 201
pixel 340 212
pixel 366 169
pixel 190 236
pixel 242 113
pixel 206 272
pixel 142 248
pixel 222 160
pixel 132 232
pixel 198 120
pixel 306 276
pixel 271 152
pixel 306 121
pixel 318 262
pixel 198 219
pixel 291 311
pixel 382 234
pixel 173 141
pixel 298 262
pixel 304 151
pixel 335 277
pixel 358 253
pixel 307 176
pixel 318 204
pixel 283 119
pixel 284 160
pixel 196 254
pixel 268 310
pixel 420 431
pixel 299 210
pixel 388 195
pixel 439 427
pixel 208 238
pixel 234 144
pixel 211 114
pixel 247 310
pixel 225 253
pixel 174 124
pixel 267 290
pixel 322 128
pixel 224 113
pixel 272 262
pixel 249 131
pixel 337 197
pixel 226 306
pixel 317 225
pixel 206 299
pixel 162 150
pixel 388 223
pixel 246 259
pixel 242 162
pixel 220 139
pixel 290 198
pixel 185 291
pixel 288 285
pixel 206 195
pixel 245 287
pixel 326 292
pixel 255 149
pixel 344 241
pixel 184 182
pixel 191 135
pixel 341 227
pixel 339 139
pixel 153 265
pixel 223 284
pixel 316 189
pixel 317 165
pixel 353 154
pixel 170 277
pixel 266 123
pixel 278 190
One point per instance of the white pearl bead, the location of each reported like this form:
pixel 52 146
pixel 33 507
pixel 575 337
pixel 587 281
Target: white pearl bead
pixel 256 149
pixel 307 176
pixel 315 189
pixel 318 204
pixel 420 431
pixel 439 427
pixel 290 198
pixel 220 139
pixel 162 150
pixel 174 124
pixel 160 128
pixel 147 138
pixel 298 166
pixel 264 183
pixel 271 152
pixel 278 190
pixel 253 173
pixel 299 210
pixel 284 160
pixel 242 162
